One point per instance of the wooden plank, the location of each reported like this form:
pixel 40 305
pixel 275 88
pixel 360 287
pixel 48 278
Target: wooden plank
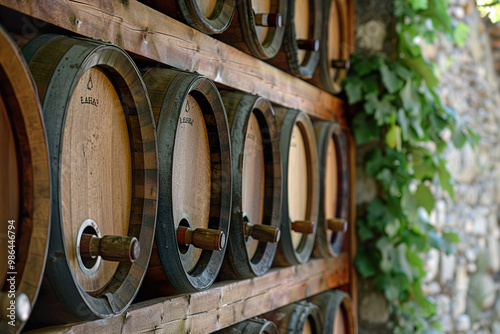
pixel 153 35
pixel 225 304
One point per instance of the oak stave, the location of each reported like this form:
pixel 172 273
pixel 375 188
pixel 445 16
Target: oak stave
pixel 251 326
pixel 245 34
pixel 246 257
pixel 300 317
pixel 337 311
pixel 335 46
pixel 329 243
pixel 25 179
pixel 213 17
pixel 61 65
pixel 184 101
pixel 296 129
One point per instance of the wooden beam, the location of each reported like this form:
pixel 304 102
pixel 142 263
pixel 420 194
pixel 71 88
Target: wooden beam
pixel 225 304
pixel 148 33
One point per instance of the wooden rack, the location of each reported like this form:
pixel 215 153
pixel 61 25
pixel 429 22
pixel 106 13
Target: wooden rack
pixel 148 34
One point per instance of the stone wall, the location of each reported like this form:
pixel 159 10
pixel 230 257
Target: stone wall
pixel 464 284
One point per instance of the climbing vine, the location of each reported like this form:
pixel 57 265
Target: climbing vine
pixel 400 113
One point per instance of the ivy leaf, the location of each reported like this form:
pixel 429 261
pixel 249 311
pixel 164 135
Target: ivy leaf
pixel 392 227
pixel 458 136
pixel 424 70
pixel 393 137
pixel 423 165
pixel 383 110
pixel 374 163
pixel 402 262
pixel 451 237
pixel 418 4
pixel 390 79
pixel 371 84
pixel 460 33
pixel 410 98
pixel 352 87
pixel 424 198
pixel 445 180
pixel 427 308
pixel 365 265
pixel 404 123
pixel 365 129
pixel 364 233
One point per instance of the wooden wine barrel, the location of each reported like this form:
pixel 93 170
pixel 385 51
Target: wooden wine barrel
pixel 297 318
pixel 334 189
pixel 195 182
pixel 207 16
pixel 300 203
pixel 256 173
pixel 24 192
pixel 301 42
pixel 337 312
pixel 259 27
pixel 251 326
pixel 102 148
pixel 334 48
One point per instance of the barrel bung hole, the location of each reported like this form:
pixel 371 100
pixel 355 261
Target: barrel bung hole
pixel 88 264
pixel 183 248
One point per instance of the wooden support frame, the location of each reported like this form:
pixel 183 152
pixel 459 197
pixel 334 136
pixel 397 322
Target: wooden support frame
pixel 148 33
pixel 225 304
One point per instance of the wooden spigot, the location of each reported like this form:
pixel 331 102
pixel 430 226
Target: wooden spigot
pixel 21 309
pixel 269 20
pixel 203 238
pixel 340 64
pixel 304 226
pixel 261 232
pixel 110 247
pixel 308 44
pixel 337 224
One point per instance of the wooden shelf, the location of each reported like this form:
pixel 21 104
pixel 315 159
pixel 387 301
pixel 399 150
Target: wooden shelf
pixel 225 304
pixel 148 33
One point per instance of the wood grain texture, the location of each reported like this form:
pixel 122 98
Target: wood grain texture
pixel 223 305
pixel 96 170
pixel 148 33
pixel 191 175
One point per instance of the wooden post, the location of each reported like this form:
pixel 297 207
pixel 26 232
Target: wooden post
pixel 110 247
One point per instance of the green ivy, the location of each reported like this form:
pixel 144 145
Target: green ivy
pixel 401 114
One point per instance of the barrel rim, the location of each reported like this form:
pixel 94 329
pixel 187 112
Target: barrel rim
pixel 199 87
pixel 38 169
pixel 239 116
pixel 286 252
pixel 333 84
pixel 216 23
pixel 329 303
pixel 274 38
pixel 290 45
pixel 117 65
pixel 325 130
